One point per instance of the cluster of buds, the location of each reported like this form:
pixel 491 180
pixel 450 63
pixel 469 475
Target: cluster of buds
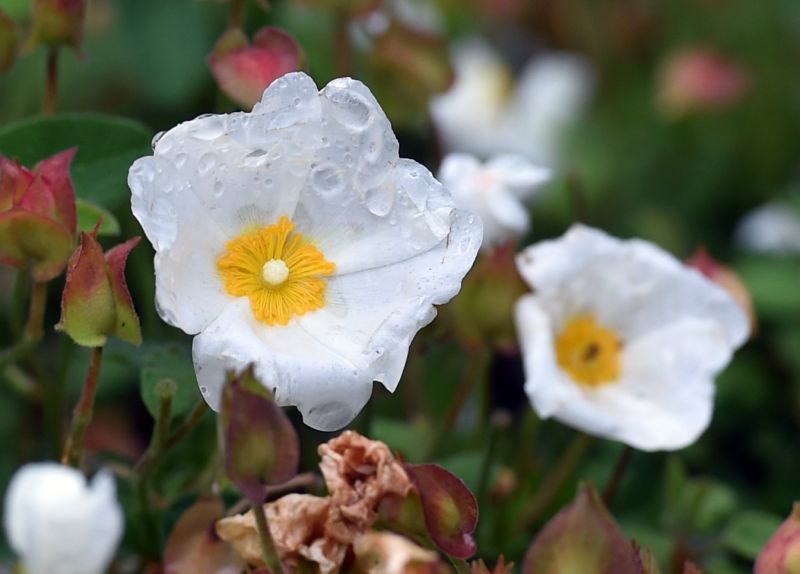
pixel 39 231
pixel 38 215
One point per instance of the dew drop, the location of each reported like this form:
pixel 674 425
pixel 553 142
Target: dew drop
pixel 207 163
pixel 180 160
pixel 327 179
pixel 156 139
pixel 219 188
pixel 379 200
pixel 209 129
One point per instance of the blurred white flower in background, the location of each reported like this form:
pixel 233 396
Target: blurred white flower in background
pixel 771 228
pixel 58 524
pixel 495 190
pixel 294 238
pixel 621 340
pixel 488 111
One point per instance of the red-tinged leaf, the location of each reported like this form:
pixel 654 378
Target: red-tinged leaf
pixel 583 537
pixel 126 325
pixel 28 237
pixel 54 172
pixel 194 547
pixel 781 555
pixel 283 45
pixel 261 447
pixel 87 304
pixel 450 509
pixel 14 182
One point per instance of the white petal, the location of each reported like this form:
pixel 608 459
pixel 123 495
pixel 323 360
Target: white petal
pixel 772 228
pixel 301 370
pixel 210 178
pixel 518 174
pixel 458 168
pixel 632 286
pixel 509 213
pixel 384 307
pixel 56 523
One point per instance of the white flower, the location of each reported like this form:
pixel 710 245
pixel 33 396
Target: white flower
pixel 487 113
pixel 58 524
pixel 293 238
pixel 495 191
pixel 772 228
pixel 623 341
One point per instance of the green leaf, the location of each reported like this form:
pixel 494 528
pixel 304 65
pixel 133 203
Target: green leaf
pixel 748 532
pixel 107 146
pixel 169 361
pixel 89 214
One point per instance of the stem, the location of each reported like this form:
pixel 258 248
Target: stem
pixel 153 456
pixel 577 193
pixel 34 327
pixel 473 373
pixel 51 82
pixel 236 18
pixel 158 438
pixel 268 550
pixel 342 46
pixel 460 565
pixel 82 415
pixel 554 481
pixel 620 467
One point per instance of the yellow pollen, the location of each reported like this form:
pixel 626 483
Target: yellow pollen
pixel 281 273
pixel 589 352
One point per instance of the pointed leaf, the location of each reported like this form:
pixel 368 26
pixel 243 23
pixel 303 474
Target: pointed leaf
pixel 55 174
pixel 450 509
pixel 126 321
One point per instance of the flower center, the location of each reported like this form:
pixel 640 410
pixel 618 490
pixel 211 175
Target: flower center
pixel 589 352
pixel 281 273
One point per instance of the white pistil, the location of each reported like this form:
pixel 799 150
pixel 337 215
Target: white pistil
pixel 275 272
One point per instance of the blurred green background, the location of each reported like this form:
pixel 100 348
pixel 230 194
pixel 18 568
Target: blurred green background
pixel 680 180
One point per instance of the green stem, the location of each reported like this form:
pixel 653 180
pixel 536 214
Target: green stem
pixel 84 410
pixel 158 438
pixel 342 46
pixel 553 482
pixel 151 458
pixel 614 482
pixel 34 327
pixel 236 18
pixel 51 82
pixel 460 565
pixel 268 550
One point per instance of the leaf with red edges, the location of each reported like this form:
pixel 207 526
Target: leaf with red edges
pixel 450 509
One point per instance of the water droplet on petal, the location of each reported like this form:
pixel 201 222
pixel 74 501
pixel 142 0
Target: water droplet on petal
pixel 207 163
pixel 209 129
pixel 219 188
pixel 180 160
pixel 379 200
pixel 327 179
pixel 349 108
pixel 156 138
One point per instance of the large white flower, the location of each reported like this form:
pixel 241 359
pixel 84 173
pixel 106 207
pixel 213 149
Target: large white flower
pixel 58 524
pixel 623 341
pixel 495 191
pixel 488 112
pixel 293 238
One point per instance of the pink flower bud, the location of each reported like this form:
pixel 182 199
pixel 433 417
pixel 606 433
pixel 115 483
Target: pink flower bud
pixel 782 553
pixel 243 70
pixel 57 22
pixel 37 215
pixel 96 302
pixel 699 80
pixel 260 444
pixel 583 537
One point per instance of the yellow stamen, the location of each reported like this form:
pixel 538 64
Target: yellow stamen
pixel 589 352
pixel 278 270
